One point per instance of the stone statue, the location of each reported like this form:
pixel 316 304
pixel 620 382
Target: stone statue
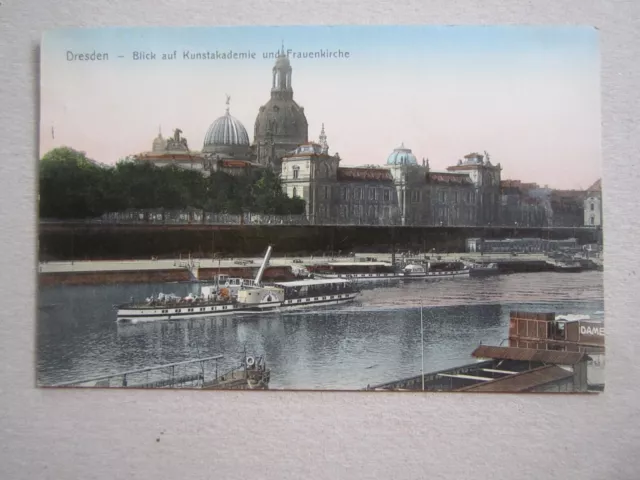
pixel 176 135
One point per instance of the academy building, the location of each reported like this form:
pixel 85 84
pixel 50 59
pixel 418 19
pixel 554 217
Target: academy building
pixel 401 191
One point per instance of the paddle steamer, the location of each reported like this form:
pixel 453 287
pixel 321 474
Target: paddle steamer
pixel 228 296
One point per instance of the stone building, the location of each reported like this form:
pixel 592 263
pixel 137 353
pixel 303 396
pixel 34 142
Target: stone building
pixel 567 208
pixel 485 178
pixel 593 205
pixel 403 191
pixel 281 125
pixel 226 147
pixel 519 205
pixel 400 193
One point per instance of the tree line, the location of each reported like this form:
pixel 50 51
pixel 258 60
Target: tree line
pixel 73 186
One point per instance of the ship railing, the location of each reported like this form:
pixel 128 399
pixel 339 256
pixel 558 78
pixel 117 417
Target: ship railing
pixel 186 374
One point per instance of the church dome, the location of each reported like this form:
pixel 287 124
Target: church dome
pixel 402 156
pixel 281 119
pixel 226 130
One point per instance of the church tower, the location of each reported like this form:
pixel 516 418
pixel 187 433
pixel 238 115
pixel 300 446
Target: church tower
pixel 281 125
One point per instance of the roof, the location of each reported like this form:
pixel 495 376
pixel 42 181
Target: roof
pixel 167 156
pixel 521 382
pixel 364 174
pixel 449 178
pixel 235 163
pixel 596 187
pixel 529 355
pixel 226 130
pixel 322 281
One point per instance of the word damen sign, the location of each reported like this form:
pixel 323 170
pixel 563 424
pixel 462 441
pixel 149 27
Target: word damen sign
pixel 596 331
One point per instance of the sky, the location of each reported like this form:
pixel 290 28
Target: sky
pixel 530 96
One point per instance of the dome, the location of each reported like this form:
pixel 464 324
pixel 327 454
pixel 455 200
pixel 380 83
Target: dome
pixel 226 130
pixel 402 156
pixel 283 119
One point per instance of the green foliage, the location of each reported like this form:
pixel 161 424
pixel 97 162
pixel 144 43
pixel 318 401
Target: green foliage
pixel 72 186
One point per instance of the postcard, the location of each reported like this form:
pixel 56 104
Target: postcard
pixel 362 208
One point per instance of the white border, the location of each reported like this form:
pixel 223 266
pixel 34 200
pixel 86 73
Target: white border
pixel 113 434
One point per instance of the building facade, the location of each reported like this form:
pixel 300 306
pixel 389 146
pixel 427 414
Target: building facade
pixel 400 191
pixel 593 205
pixel 519 206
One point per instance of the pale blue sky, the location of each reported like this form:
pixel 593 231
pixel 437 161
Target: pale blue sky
pixel 528 95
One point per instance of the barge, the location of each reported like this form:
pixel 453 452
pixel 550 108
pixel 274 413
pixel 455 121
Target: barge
pixel 241 296
pixel 381 271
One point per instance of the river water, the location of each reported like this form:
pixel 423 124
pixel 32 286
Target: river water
pixel 348 347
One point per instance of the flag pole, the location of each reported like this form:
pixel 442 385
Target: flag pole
pixel 422 344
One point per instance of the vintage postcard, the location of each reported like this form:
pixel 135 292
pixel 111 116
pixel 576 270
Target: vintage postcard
pixel 366 208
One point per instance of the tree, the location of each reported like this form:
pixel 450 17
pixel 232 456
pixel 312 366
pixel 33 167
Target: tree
pixel 73 186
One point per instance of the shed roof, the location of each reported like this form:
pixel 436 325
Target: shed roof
pixel 364 174
pixel 521 382
pixel 529 355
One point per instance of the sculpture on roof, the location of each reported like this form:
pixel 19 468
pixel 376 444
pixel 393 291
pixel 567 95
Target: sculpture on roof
pixel 177 142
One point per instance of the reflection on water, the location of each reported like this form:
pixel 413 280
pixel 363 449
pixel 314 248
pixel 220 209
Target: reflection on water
pixel 347 347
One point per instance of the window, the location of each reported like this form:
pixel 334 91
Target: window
pixel 455 197
pixel 415 196
pixel 592 207
pixel 592 220
pixel 295 192
pixel 441 196
pixel 296 172
pixel 386 195
pixel 343 193
pixel 468 197
pixel 372 194
pixel 357 193
pixel 326 192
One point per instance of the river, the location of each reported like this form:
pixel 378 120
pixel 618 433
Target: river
pixel 349 347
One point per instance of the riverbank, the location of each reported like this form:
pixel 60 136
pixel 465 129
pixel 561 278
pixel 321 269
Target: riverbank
pixel 97 272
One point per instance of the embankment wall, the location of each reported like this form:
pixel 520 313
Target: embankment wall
pixel 157 276
pixel 114 242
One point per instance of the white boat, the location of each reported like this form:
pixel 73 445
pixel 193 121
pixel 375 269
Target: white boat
pixel 380 271
pixel 419 271
pixel 252 297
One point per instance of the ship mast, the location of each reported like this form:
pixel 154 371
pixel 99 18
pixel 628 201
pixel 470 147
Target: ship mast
pixel 263 267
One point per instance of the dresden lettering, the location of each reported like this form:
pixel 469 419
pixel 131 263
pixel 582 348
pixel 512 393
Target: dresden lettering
pixel 597 331
pixel 87 57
